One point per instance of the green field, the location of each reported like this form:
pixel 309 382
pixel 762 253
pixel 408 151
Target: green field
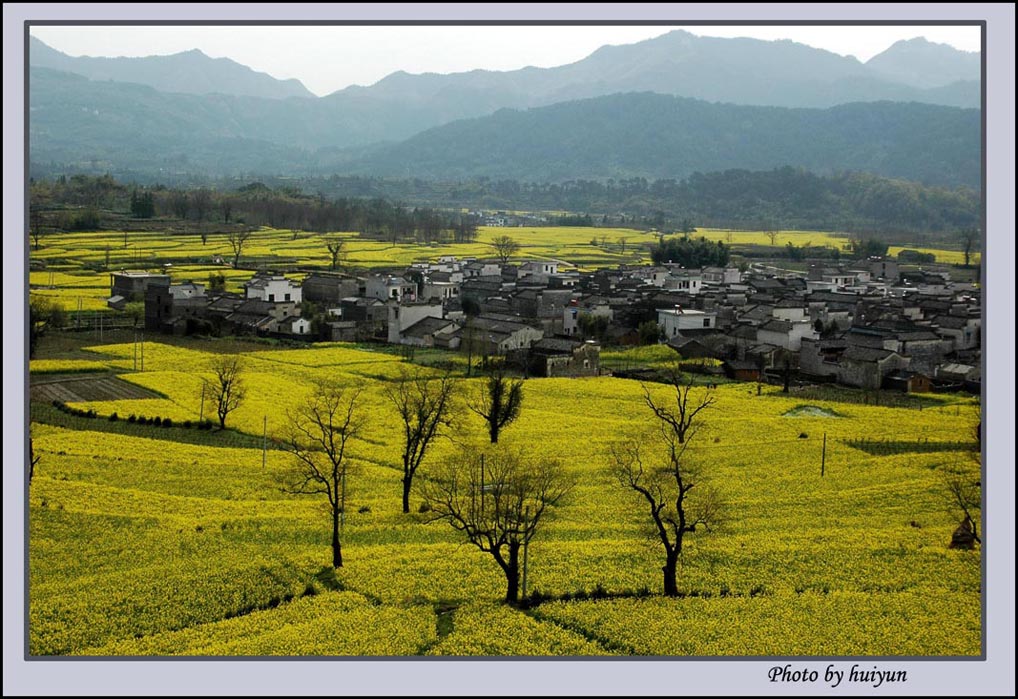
pixel 143 543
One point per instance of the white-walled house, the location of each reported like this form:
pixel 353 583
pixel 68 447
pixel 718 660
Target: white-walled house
pixel 274 289
pixel 837 278
pixel 402 316
pixel 386 287
pixel 785 334
pixel 539 267
pixel 294 326
pixel 476 268
pixel 722 275
pixel 792 311
pixel 675 320
pixel 571 314
pixel 687 280
pixel 440 290
pixel 963 333
pixel 187 290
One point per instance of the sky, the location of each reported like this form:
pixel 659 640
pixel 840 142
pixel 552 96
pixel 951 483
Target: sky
pixel 329 58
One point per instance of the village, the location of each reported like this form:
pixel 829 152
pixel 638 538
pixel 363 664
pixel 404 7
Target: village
pixel 868 325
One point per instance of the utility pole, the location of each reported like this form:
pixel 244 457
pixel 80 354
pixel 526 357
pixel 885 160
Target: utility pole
pixel 135 348
pixel 823 456
pixel 201 409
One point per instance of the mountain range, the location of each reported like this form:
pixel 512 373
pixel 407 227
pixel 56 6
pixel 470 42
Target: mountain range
pixel 665 137
pixel 192 112
pixel 190 72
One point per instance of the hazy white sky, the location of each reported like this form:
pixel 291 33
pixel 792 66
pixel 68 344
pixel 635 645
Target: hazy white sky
pixel 329 58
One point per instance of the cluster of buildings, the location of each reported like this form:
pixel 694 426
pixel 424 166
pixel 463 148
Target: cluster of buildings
pixel 869 325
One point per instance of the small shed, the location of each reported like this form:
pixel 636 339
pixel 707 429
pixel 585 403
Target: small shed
pixel 907 382
pixel 117 302
pixel 741 370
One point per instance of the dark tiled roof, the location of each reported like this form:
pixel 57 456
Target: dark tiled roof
pixel 741 365
pixel 951 322
pixel 866 354
pixel 743 332
pixel 555 345
pixel 427 326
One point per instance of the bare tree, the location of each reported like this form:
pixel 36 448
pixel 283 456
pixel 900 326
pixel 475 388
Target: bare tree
pixel 424 406
pixel 772 235
pixel 319 434
pixel 666 488
pixel 498 402
pixel 35 225
pixel 679 420
pixel 505 247
pixel 226 209
pixel 964 495
pixel 226 387
pixel 968 237
pixel 237 240
pixel 498 499
pixel 468 342
pixel 334 244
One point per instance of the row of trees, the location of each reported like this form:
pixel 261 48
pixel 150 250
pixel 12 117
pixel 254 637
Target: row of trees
pixel 496 497
pixel 254 204
pixel 786 198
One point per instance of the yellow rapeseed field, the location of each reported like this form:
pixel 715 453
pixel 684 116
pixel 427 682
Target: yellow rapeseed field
pixel 145 546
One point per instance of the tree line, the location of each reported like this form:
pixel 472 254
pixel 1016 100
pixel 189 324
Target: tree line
pixel 82 202
pixel 783 198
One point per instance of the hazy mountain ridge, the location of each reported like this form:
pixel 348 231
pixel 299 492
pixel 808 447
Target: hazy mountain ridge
pixel 925 64
pixel 639 134
pixel 188 72
pixel 128 125
pixel 659 136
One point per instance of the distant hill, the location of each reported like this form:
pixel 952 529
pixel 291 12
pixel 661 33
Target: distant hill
pixel 190 72
pixel 110 126
pixel 121 126
pixel 659 136
pixel 924 64
pixel 736 71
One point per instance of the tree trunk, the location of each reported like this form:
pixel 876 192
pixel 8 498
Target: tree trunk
pixel 407 480
pixel 671 563
pixel 512 575
pixel 337 551
pixel 493 432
